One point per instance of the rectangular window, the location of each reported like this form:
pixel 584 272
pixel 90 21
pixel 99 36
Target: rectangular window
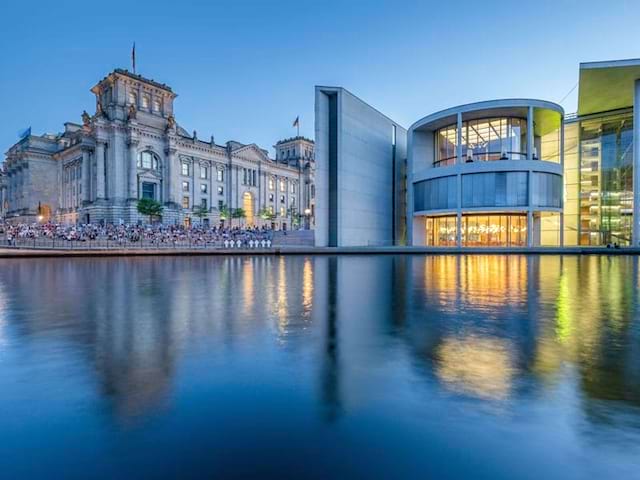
pixel 271 197
pixel 185 202
pixel 293 188
pixel 255 183
pixel 203 188
pixel 149 190
pixel 185 186
pixel 271 186
pixel 281 198
pixel 220 191
pixel 283 212
pixel 185 169
pixel 283 186
pixel 220 204
pixel 204 172
pixel 244 176
pixel 203 203
pixel 221 175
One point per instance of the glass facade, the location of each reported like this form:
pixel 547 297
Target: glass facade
pixel 495 189
pixel 436 194
pixel 483 140
pixel 599 181
pixel 498 230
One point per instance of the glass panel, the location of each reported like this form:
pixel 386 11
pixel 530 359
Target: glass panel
pixel 494 230
pixel 606 176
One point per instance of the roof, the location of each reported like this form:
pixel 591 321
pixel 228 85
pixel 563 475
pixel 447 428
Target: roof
pixel 606 86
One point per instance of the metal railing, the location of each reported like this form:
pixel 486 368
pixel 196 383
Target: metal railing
pixel 126 244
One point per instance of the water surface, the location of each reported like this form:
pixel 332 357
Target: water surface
pixel 437 367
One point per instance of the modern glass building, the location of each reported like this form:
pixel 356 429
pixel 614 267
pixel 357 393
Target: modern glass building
pixel 487 174
pixel 513 173
pixel 599 152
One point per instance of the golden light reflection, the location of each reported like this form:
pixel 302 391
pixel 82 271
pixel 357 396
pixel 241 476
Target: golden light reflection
pixel 248 285
pixel 281 302
pixel 307 287
pixel 476 366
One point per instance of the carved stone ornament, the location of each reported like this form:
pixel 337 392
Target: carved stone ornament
pixel 86 118
pixel 132 112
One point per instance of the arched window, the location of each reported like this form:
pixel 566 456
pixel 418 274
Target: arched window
pixel 148 160
pixel 157 105
pixel 133 98
pixel 146 100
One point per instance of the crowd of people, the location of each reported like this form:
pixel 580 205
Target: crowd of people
pixel 137 235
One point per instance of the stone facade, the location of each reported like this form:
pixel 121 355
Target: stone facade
pixel 132 148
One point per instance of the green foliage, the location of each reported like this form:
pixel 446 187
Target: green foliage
pixel 238 213
pixel 225 213
pixel 200 211
pixel 266 214
pixel 149 207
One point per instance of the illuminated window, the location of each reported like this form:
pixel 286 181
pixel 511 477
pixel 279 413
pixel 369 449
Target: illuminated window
pixel 204 172
pixel 146 100
pixel 283 186
pixel 283 212
pixel 185 169
pixel 185 186
pixel 133 98
pixel 221 175
pixel 271 183
pixel 157 105
pixel 185 202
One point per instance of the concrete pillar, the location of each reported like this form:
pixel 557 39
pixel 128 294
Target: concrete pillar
pixel 459 152
pixel 86 180
pixel 635 237
pixel 132 175
pixel 100 170
pixel 530 144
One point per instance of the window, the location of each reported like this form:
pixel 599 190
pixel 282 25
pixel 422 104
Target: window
pixel 149 190
pixel 255 183
pixel 271 197
pixel 157 105
pixel 203 188
pixel 283 212
pixel 281 198
pixel 244 176
pixel 185 186
pixel 204 172
pixel 220 175
pixel 283 186
pixel 185 169
pixel 133 98
pixel 185 202
pixel 293 187
pixel 146 100
pixel 203 203
pixel 271 183
pixel 499 189
pixel 220 204
pixel 220 191
pixel 148 160
pixel 436 194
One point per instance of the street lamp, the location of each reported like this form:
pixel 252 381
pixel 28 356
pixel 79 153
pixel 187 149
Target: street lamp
pixel 307 217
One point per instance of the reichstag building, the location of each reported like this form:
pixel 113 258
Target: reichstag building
pixel 132 147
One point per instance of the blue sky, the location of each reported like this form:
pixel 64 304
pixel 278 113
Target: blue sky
pixel 244 69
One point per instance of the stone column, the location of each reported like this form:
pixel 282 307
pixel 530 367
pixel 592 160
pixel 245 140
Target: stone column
pixel 86 180
pixel 100 193
pixel 169 182
pixel 132 175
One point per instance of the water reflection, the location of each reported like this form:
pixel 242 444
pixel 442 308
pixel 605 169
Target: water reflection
pixel 345 334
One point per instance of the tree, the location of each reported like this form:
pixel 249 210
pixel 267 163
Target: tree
pixel 294 215
pixel 266 214
pixel 238 213
pixel 200 211
pixel 150 207
pixel 225 213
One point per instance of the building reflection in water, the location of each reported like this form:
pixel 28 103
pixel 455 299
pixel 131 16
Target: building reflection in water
pixel 492 328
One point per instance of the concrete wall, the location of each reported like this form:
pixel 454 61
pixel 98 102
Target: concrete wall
pixel 355 201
